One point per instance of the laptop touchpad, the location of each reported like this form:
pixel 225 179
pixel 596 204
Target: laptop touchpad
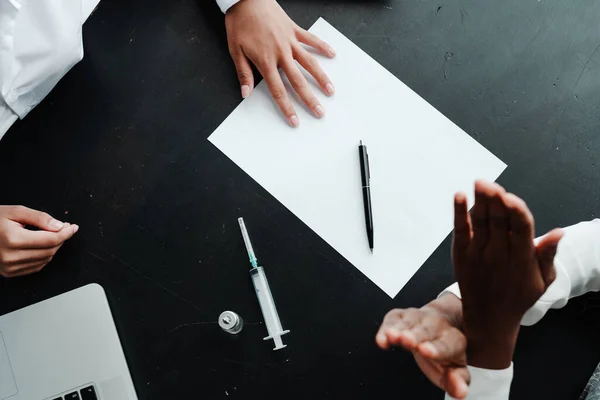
pixel 8 388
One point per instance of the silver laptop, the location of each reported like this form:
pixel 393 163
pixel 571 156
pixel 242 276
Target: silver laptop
pixel 63 348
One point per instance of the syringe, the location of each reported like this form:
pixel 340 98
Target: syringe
pixel 263 292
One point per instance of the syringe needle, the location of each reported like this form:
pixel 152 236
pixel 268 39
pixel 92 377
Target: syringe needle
pixel 248 244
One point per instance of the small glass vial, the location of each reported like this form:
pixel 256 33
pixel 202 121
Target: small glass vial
pixel 230 322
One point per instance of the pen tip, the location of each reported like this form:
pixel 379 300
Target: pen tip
pixel 361 142
pixel 371 251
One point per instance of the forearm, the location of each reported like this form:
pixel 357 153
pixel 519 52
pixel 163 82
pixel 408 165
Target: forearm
pixel 577 264
pixel 492 351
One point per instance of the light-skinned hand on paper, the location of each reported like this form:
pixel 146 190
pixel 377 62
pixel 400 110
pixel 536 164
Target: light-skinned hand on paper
pixel 261 33
pixel 500 270
pixel 24 251
pixel 432 334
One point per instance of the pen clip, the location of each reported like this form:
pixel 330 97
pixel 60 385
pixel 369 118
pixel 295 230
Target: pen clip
pixel 368 166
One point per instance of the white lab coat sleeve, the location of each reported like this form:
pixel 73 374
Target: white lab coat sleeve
pixel 577 265
pixel 40 40
pixel 9 10
pixel 47 43
pixel 227 4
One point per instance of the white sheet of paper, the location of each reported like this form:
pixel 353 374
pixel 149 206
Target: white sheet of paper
pixel 418 160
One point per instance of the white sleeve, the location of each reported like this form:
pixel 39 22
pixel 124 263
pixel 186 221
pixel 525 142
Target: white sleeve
pixel 40 40
pixel 226 4
pixel 46 44
pixel 577 265
pixel 87 8
pixel 489 384
pixel 9 10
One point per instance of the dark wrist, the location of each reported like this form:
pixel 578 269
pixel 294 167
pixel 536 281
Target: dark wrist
pixel 491 350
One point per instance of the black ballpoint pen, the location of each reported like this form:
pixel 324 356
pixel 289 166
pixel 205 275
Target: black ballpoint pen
pixel 365 173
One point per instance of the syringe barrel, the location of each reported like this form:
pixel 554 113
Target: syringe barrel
pixel 267 306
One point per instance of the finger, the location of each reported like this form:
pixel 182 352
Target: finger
pixel 382 341
pixel 451 345
pixel 462 223
pixel 244 72
pixel 27 216
pixel 34 268
pixel 45 240
pixel 315 42
pixel 300 85
pixel 480 215
pixel 277 89
pixel 311 65
pixel 457 382
pixel 431 369
pixel 546 251
pixel 20 257
pixel 24 269
pixel 520 219
pixel 393 331
pixel 498 217
pixel 398 319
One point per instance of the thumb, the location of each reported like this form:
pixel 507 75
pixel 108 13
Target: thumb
pixel 546 251
pixel 457 382
pixel 463 231
pixel 38 219
pixel 244 73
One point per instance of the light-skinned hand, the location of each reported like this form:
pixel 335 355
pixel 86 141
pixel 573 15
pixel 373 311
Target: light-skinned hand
pixel 432 334
pixel 24 251
pixel 261 33
pixel 500 271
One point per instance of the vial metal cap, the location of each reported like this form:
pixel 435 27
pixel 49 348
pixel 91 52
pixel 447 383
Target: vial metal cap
pixel 230 322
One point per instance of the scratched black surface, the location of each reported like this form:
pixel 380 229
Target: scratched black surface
pixel 120 148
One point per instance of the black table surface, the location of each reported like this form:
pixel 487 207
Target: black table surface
pixel 120 148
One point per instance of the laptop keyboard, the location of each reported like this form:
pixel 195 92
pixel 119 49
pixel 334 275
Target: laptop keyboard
pixel 87 393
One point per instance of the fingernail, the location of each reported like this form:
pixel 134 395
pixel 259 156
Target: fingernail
pixel 332 52
pixel 294 121
pixel 319 111
pixel 75 228
pixel 245 91
pixel 329 89
pixel 395 333
pixel 463 388
pixel 54 224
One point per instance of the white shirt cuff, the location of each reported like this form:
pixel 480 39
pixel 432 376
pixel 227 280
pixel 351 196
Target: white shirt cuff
pixel 7 118
pixel 226 4
pixel 489 384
